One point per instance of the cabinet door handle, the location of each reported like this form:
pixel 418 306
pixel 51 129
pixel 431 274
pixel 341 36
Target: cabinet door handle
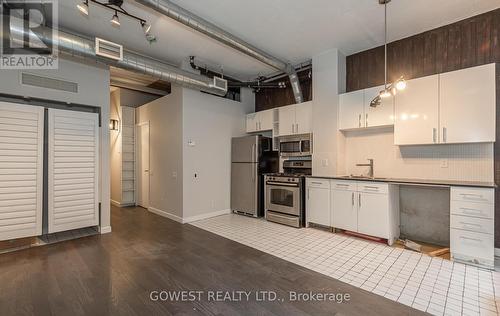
pixel 359 121
pixel 352 198
pixel 297 128
pixel 308 193
pixel 359 200
pixel 444 135
pixel 472 239
pixel 470 224
pixel 293 128
pixel 434 135
pixel 366 119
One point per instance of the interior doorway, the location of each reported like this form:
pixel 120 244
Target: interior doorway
pixel 143 172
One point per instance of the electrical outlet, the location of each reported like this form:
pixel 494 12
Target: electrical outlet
pixel 444 163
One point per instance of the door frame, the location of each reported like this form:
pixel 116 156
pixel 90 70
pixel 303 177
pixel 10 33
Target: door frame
pixel 136 182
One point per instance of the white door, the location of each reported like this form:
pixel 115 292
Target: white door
pixel 373 214
pixel 467 105
pixel 417 112
pixel 21 170
pixel 351 113
pixel 303 114
pixel 318 206
pixel 252 123
pixel 143 172
pixel 73 170
pixel 383 114
pixel 344 210
pixel 287 120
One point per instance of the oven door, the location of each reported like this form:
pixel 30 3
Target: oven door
pixel 283 197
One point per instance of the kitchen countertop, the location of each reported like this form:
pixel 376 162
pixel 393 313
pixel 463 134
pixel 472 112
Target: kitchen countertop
pixel 415 181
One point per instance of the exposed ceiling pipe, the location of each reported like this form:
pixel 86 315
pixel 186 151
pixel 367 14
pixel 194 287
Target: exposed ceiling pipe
pixel 79 46
pixel 199 24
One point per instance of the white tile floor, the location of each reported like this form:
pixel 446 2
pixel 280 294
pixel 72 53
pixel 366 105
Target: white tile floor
pixel 434 285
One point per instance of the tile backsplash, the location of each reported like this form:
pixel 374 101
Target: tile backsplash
pixel 469 162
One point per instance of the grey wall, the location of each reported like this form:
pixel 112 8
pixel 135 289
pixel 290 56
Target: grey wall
pixel 93 90
pixel 425 214
pixel 165 118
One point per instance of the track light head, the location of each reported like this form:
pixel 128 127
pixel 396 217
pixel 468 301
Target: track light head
pixel 146 27
pixel 115 20
pixel 83 7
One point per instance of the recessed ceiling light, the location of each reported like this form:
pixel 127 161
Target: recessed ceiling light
pixel 83 7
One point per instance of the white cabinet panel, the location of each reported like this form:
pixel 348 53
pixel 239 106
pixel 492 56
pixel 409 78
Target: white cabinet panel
pixel 467 105
pixel 21 170
pixel 266 120
pixel 73 204
pixel 417 112
pixel 351 110
pixel 373 214
pixel 472 247
pixel 344 210
pixel 383 114
pixel 252 122
pixel 287 120
pixel 303 118
pixel 318 205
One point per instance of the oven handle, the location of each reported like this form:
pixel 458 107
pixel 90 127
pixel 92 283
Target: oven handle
pixel 283 184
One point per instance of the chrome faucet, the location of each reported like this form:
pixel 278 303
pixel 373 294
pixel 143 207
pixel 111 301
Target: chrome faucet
pixel 370 173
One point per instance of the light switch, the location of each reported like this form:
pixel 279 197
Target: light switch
pixel 191 143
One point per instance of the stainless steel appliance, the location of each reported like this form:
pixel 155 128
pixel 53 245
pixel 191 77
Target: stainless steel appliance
pixel 251 157
pixel 296 146
pixel 285 193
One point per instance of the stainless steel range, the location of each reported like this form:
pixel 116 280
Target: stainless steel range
pixel 285 193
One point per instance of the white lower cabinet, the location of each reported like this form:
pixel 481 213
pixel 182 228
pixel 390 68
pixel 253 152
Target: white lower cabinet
pixel 364 207
pixel 344 210
pixel 318 201
pixel 472 225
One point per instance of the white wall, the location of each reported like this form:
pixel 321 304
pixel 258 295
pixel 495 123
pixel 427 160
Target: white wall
pixel 210 122
pixel 468 162
pixel 328 82
pixel 165 119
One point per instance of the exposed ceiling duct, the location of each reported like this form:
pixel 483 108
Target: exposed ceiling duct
pixel 78 46
pixel 199 24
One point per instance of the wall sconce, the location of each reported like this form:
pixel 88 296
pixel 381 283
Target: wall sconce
pixel 113 125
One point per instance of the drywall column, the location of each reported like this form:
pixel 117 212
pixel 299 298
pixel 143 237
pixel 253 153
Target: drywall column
pixel 328 82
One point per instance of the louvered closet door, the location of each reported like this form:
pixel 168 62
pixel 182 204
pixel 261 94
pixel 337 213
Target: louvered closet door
pixel 21 170
pixel 73 162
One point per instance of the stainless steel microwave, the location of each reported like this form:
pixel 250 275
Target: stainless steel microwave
pixel 296 146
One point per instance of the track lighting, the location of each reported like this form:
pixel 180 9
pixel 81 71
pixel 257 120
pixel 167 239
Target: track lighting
pixel 146 27
pixel 115 20
pixel 401 84
pixel 83 7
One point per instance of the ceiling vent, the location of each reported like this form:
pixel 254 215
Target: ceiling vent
pixel 220 84
pixel 48 83
pixel 108 49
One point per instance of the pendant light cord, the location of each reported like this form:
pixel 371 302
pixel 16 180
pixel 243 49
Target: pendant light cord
pixel 385 43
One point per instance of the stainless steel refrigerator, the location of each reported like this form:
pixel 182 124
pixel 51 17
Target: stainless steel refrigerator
pixel 251 157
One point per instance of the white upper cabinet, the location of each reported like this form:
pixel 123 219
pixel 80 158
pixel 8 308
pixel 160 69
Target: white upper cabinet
pixel 351 112
pixel 295 119
pixel 355 110
pixel 467 105
pixel 416 111
pixel 303 118
pixel 260 121
pixel 383 114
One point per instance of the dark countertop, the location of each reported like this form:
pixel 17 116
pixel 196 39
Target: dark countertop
pixel 416 181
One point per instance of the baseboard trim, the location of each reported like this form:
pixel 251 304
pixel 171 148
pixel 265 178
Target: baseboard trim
pixel 105 230
pixel 497 252
pixel 205 216
pixel 166 214
pixel 187 219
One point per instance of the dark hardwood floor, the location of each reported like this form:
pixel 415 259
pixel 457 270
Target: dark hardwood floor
pixel 114 274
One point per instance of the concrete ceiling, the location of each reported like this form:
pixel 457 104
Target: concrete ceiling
pixel 294 30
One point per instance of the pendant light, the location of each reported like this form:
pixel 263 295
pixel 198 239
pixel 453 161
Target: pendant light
pixel 392 88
